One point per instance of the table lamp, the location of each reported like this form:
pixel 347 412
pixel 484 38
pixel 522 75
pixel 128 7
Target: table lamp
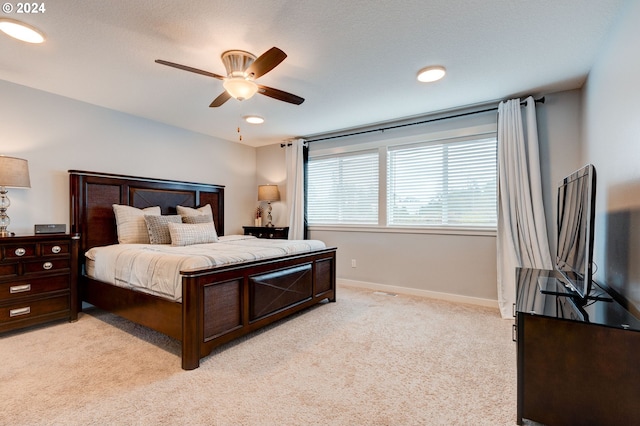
pixel 14 173
pixel 268 193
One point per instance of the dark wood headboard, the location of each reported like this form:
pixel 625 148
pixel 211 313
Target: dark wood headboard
pixel 93 194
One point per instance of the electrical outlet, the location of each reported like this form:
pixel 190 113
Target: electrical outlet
pixel 353 263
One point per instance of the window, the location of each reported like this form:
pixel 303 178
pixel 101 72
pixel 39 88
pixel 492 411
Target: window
pixel 443 184
pixel 343 189
pixel 439 177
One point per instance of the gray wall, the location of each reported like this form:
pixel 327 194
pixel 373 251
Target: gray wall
pixel 611 128
pixel 57 134
pixel 559 132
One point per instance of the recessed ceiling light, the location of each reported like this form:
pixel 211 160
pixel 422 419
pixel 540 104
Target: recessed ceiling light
pixel 430 74
pixel 253 119
pixel 21 31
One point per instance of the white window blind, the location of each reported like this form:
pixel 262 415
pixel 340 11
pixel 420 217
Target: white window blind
pixel 343 189
pixel 443 184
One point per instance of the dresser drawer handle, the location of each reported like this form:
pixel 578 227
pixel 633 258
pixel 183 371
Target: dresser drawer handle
pixel 20 288
pixel 20 311
pixel 56 249
pixel 20 251
pixel 47 265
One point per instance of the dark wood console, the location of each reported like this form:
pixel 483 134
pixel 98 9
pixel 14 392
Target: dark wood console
pixel 577 362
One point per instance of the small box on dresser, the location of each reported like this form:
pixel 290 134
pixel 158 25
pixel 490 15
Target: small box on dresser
pixel 37 280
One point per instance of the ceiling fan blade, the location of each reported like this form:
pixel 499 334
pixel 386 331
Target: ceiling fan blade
pixel 190 69
pixel 266 62
pixel 224 97
pixel 280 95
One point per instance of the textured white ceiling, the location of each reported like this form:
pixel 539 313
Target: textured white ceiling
pixel 354 62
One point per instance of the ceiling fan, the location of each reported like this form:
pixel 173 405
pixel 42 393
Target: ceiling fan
pixel 243 68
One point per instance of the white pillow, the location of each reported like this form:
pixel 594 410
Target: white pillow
pixel 186 234
pixel 190 211
pixel 130 223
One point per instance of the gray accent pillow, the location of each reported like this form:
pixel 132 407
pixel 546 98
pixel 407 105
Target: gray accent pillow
pixel 203 218
pixel 158 227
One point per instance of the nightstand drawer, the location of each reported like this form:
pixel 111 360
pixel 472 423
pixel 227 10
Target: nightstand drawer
pixel 46 265
pixel 18 251
pixel 267 232
pixel 25 288
pixel 25 310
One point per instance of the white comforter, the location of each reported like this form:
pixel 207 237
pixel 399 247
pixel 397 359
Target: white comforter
pixel 155 268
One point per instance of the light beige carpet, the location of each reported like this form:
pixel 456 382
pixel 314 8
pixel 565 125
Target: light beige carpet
pixel 368 359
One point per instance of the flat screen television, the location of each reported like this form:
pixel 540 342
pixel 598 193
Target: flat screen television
pixel 575 221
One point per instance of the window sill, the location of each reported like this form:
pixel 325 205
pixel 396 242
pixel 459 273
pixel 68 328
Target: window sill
pixel 488 232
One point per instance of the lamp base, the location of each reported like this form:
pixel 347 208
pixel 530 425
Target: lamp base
pixel 5 221
pixel 269 218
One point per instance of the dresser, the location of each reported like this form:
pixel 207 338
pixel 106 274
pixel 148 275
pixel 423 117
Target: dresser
pixel 268 232
pixel 37 282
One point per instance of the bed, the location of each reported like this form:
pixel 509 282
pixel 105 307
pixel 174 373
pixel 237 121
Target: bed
pixel 217 303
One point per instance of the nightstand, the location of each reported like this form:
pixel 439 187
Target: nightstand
pixel 267 232
pixel 37 281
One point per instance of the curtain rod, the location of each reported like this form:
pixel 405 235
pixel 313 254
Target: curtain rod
pixel 430 120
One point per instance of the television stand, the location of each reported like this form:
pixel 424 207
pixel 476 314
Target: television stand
pixel 577 362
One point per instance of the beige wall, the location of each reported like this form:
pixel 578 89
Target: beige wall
pixel 270 169
pixel 460 266
pixel 57 134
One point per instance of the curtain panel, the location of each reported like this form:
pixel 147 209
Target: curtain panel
pixel 522 231
pixel 294 158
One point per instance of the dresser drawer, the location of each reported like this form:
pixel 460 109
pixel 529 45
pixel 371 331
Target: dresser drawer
pixel 53 248
pixel 18 251
pixel 8 269
pixel 19 311
pixel 49 265
pixel 25 288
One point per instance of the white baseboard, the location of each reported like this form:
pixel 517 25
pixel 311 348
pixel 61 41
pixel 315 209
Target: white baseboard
pixel 417 292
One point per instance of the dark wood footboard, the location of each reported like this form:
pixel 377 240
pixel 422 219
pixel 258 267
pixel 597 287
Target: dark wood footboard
pixel 224 303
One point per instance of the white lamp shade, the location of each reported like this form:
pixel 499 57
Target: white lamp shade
pixel 268 193
pixel 14 172
pixel 240 88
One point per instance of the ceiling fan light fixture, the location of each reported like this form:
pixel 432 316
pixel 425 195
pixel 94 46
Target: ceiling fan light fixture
pixel 431 74
pixel 240 88
pixel 21 31
pixel 253 119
